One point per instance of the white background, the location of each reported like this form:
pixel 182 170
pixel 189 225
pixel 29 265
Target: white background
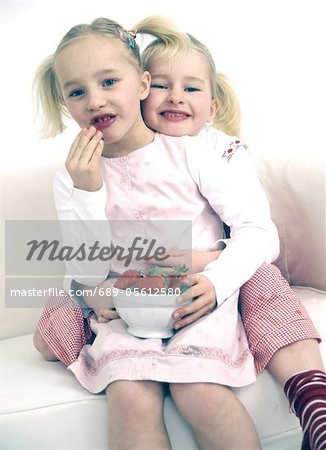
pixel 273 51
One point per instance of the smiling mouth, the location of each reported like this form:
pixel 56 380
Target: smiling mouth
pixel 174 115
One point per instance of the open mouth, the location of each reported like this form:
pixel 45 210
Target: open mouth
pixel 102 121
pixel 174 116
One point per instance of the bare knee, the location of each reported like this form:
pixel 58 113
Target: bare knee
pixel 136 398
pixel 296 357
pixel 213 411
pixel 42 346
pixel 213 399
pixel 136 415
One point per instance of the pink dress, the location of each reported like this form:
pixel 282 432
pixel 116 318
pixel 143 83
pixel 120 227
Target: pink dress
pixel 160 182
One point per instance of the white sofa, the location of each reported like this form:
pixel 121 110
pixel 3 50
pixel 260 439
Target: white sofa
pixel 43 407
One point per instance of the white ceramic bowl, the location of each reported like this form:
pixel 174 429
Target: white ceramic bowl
pixel 147 316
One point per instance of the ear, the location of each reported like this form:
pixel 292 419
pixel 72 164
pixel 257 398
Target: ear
pixel 145 83
pixel 213 110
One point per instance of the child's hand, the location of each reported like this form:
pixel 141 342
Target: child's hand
pixel 99 298
pixel 104 315
pixel 203 293
pixel 103 306
pixel 83 161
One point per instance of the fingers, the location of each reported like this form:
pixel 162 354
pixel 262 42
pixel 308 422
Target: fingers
pixel 203 292
pixel 197 309
pixel 102 319
pixel 202 302
pixel 83 161
pixel 105 315
pixel 197 287
pixel 84 145
pixel 188 319
pixel 109 313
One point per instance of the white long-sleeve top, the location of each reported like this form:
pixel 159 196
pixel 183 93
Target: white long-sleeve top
pixel 204 180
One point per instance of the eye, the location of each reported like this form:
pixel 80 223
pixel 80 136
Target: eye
pixel 159 86
pixel 192 89
pixel 76 93
pixel 109 82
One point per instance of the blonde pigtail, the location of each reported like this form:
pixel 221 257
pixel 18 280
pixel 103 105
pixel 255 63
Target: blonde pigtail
pixel 166 34
pixel 49 102
pixel 228 117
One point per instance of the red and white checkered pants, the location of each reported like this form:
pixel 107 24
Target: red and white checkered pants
pixel 272 314
pixel 64 329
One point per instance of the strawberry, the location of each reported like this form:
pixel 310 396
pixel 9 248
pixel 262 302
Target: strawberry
pixel 127 279
pixel 150 283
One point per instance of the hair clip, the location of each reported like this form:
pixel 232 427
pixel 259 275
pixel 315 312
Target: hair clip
pixel 126 36
pixel 131 36
pixel 133 33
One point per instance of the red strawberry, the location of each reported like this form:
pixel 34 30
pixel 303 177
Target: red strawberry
pixel 127 279
pixel 150 284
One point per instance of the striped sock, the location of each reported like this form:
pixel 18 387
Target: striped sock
pixel 306 392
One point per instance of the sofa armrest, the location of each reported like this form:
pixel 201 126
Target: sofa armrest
pixel 26 194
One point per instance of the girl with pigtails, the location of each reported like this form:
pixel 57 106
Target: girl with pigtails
pixel 96 75
pixel 106 105
pixel 188 96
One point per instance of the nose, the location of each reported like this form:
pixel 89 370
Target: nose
pixel 95 100
pixel 176 96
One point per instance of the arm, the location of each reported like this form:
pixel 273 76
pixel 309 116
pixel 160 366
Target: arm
pixel 233 190
pixel 80 199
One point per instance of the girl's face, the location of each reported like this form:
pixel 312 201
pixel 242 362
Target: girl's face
pixel 180 98
pixel 102 88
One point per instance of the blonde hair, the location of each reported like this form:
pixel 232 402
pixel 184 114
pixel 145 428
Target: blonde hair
pixel 49 99
pixel 228 117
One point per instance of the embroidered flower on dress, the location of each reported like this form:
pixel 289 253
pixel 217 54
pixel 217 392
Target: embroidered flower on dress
pixel 232 148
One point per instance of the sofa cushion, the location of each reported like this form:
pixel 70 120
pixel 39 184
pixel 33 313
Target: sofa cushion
pixel 294 182
pixel 43 406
